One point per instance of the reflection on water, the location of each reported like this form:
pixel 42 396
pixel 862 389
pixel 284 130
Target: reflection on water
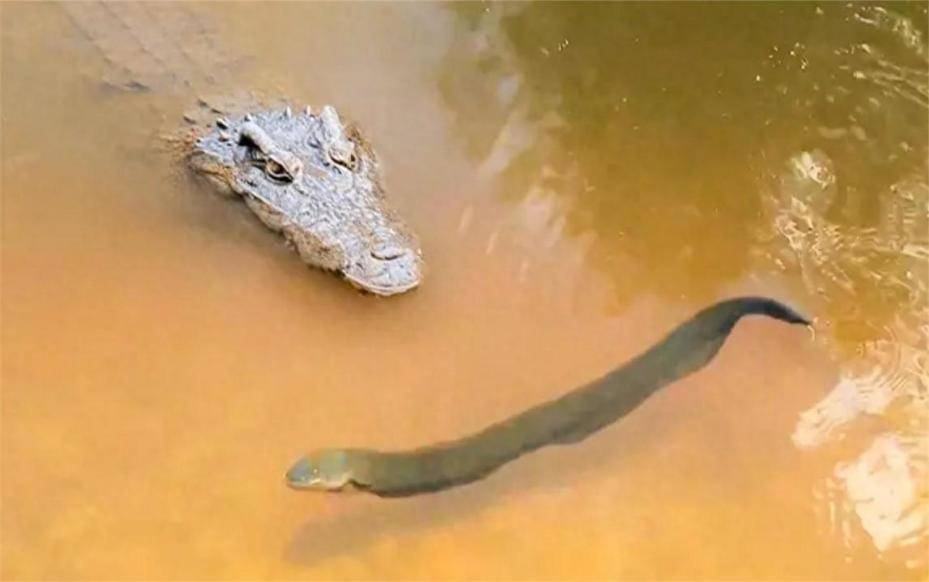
pixel 885 361
pixel 572 90
pixel 582 178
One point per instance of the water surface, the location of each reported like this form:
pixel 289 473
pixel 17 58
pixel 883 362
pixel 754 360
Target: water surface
pixel 583 178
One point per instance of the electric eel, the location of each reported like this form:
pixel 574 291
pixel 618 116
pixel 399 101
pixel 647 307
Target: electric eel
pixel 565 420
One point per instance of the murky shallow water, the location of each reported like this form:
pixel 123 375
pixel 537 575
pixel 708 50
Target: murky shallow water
pixel 582 178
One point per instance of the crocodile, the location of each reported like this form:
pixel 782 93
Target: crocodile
pixel 307 174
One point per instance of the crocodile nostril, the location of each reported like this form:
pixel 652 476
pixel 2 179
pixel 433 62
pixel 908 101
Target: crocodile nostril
pixel 387 252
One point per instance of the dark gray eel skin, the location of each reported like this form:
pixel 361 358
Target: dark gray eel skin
pixel 568 419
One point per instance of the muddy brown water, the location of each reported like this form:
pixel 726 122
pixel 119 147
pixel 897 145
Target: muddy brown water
pixel 582 177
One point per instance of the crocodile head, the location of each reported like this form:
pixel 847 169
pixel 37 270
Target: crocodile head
pixel 316 180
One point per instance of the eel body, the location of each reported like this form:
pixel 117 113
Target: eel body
pixel 565 420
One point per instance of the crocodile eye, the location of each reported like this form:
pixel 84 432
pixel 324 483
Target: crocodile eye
pixel 277 171
pixel 348 161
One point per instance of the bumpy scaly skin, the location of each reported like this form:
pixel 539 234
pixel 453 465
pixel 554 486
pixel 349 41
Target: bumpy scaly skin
pixel 315 180
pixel 308 176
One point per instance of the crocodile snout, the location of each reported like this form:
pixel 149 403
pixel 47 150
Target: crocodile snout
pixel 387 269
pixel 388 252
